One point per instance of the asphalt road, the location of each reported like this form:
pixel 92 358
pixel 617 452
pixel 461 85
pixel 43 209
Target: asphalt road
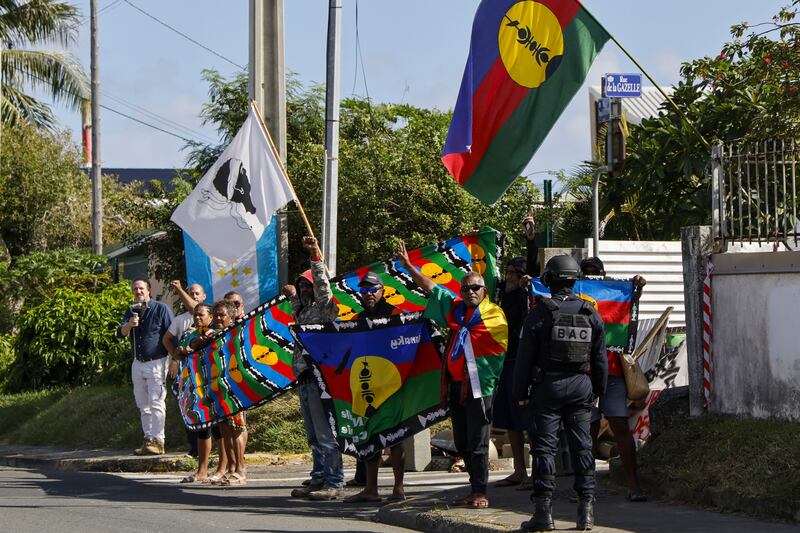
pixel 44 501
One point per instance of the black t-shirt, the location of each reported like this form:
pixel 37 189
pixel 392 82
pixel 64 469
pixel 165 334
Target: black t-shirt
pixel 515 306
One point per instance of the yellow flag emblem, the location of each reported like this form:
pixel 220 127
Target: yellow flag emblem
pixel 531 43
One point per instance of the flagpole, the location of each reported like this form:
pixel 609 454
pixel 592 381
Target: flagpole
pixel 649 77
pixel 283 168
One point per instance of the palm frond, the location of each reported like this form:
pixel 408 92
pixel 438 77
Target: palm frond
pixel 55 72
pixel 23 23
pixel 17 107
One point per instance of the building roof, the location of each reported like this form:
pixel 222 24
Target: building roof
pixel 146 175
pixel 635 109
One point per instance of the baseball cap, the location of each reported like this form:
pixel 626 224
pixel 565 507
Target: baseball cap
pixel 370 278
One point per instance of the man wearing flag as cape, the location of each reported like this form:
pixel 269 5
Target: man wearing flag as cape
pixel 473 360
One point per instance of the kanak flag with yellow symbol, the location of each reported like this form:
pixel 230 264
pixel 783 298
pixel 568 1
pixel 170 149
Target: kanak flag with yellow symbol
pixel 379 378
pixel 527 59
pixel 250 362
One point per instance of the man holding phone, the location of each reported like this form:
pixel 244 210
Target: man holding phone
pixel 146 321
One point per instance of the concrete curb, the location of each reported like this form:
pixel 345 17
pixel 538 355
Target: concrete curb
pixel 417 515
pixel 93 464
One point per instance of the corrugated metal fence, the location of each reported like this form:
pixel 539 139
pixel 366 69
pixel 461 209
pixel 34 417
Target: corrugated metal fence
pixel 659 262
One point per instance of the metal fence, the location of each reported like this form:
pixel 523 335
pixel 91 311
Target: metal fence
pixel 754 194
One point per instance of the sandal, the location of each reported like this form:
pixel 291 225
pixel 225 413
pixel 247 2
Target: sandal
pixel 360 497
pixel 235 478
pixel 480 502
pixel 396 498
pixel 217 479
pixel 466 500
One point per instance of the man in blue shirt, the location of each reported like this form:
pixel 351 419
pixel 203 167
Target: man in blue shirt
pixel 146 321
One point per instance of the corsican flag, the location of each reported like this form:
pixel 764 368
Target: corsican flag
pixel 232 204
pixel 254 275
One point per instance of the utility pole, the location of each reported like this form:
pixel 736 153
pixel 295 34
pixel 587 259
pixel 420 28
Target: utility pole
pixel 97 182
pixel 268 88
pixel 330 187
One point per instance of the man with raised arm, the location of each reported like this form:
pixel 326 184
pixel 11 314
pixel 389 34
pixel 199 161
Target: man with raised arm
pixel 473 361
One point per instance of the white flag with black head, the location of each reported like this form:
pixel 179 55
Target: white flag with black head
pixel 227 211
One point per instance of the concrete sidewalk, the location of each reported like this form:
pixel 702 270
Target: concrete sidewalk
pixel 509 508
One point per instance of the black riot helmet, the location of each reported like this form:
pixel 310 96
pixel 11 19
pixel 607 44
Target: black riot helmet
pixel 560 268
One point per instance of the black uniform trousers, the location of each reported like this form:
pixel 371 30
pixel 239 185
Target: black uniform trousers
pixel 563 397
pixel 472 422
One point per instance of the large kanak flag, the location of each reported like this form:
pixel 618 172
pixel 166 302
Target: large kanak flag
pixel 527 59
pixel 232 204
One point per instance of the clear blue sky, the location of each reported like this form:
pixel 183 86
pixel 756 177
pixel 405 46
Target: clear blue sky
pixel 413 51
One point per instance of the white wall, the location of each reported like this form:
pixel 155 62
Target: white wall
pixel 756 366
pixel 661 264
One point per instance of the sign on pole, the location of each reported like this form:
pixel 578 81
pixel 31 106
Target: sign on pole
pixel 623 85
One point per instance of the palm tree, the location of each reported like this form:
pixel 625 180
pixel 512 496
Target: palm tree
pixel 26 25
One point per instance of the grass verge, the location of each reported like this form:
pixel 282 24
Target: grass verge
pixel 739 464
pixel 107 417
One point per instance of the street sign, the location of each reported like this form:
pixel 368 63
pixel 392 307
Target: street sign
pixel 603 110
pixel 624 85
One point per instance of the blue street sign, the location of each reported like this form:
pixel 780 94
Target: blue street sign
pixel 623 85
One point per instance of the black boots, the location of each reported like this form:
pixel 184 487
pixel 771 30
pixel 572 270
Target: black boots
pixel 585 512
pixel 542 519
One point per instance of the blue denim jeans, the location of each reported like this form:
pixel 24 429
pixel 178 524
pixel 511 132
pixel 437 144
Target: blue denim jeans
pixel 327 469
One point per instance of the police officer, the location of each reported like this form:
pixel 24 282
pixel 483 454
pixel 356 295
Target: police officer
pixel 561 367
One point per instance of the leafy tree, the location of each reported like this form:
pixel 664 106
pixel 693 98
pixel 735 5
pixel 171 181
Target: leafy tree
pixel 45 198
pixel 24 26
pixel 749 92
pixel 32 278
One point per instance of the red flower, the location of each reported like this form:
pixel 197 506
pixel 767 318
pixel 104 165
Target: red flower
pixel 722 55
pixel 786 64
pixel 768 59
pixel 792 89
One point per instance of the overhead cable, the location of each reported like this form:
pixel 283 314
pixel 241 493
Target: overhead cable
pixel 201 45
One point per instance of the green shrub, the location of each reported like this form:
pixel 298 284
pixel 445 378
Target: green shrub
pixel 69 339
pixel 277 426
pixel 6 358
pixel 32 278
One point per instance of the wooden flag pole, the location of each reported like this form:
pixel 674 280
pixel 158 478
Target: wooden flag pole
pixel 283 168
pixel 649 77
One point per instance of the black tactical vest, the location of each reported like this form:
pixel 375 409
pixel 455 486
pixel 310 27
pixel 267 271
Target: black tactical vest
pixel 570 334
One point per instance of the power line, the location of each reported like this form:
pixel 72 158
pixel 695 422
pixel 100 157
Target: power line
pixel 108 108
pixel 201 45
pixel 360 58
pixel 159 118
pixel 145 123
pixel 113 5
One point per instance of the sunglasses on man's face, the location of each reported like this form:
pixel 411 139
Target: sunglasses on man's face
pixel 372 289
pixel 474 288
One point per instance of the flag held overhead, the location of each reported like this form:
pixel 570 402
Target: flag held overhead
pixel 527 60
pixel 235 200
